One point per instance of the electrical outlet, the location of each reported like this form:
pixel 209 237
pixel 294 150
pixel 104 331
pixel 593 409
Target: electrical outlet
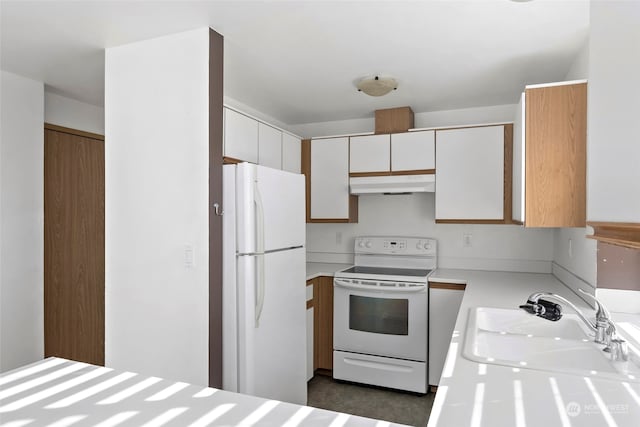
pixel 570 248
pixel 338 237
pixel 467 239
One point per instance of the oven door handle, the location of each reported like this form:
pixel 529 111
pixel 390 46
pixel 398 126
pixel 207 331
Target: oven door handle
pixel 390 289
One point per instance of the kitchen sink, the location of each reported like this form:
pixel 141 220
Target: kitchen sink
pixel 515 338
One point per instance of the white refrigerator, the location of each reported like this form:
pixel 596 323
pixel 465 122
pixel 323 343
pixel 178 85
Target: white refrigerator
pixel 264 295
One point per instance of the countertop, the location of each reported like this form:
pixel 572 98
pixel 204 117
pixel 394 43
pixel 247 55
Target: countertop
pixel 317 269
pixel 476 394
pixel 63 392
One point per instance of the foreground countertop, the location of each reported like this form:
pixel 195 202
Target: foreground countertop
pixel 317 269
pixel 63 392
pixel 476 394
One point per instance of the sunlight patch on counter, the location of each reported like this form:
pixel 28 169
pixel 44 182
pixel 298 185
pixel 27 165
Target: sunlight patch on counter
pixel 48 392
pixel 601 405
pixel 128 392
pixel 297 418
pixel 165 417
pixel 117 419
pixel 30 371
pixel 84 394
pixel 212 415
pixel 519 404
pixel 478 403
pixel 562 410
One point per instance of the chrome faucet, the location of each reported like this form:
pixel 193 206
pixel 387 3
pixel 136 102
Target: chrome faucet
pixel 603 327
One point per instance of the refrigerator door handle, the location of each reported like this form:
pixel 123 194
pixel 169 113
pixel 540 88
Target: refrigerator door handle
pixel 260 289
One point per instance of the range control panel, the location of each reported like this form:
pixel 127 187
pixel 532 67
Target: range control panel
pixel 396 245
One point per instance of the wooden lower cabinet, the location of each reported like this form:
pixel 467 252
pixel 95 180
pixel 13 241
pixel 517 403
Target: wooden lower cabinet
pixel 323 325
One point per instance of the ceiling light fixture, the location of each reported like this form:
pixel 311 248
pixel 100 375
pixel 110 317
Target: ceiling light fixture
pixel 377 86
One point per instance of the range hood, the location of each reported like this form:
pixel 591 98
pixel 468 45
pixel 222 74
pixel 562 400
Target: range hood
pixel 393 184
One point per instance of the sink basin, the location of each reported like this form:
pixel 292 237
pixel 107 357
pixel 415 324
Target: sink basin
pixel 518 322
pixel 517 339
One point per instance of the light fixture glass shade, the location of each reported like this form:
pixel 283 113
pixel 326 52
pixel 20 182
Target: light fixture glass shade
pixel 377 86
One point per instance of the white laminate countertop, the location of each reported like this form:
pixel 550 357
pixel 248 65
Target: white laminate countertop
pixel 62 392
pixel 317 269
pixel 476 394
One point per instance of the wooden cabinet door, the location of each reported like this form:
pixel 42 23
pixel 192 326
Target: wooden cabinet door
pixel 555 155
pixel 291 153
pixel 323 323
pixel 310 334
pixel 330 178
pixel 369 153
pixel 413 151
pixel 240 136
pixel 470 174
pixel 269 146
pixel 444 303
pixel 74 257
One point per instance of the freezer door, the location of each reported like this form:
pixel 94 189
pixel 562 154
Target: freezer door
pixel 272 355
pixel 270 203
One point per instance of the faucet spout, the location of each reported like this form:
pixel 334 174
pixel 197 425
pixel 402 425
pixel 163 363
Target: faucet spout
pixel 538 305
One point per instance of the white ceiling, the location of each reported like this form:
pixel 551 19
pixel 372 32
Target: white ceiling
pixel 297 61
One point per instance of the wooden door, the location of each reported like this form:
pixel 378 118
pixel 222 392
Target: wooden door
pixel 74 245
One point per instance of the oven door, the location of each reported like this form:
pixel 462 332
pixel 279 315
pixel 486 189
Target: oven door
pixel 386 321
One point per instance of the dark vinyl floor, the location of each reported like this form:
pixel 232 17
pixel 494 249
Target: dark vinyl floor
pixel 394 406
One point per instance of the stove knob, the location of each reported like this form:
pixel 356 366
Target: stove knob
pixel 369 244
pixel 419 245
pixel 361 243
pixel 427 246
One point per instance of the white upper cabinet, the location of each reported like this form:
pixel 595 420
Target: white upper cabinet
pixel 330 178
pixel 470 174
pixel 413 151
pixel 370 153
pixel 291 153
pixel 240 136
pixel 269 146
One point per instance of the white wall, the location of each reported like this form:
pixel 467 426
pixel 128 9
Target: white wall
pixel 467 116
pixel 571 249
pixel 21 221
pixel 494 247
pixel 579 68
pixel 156 309
pixel 67 112
pixel 614 107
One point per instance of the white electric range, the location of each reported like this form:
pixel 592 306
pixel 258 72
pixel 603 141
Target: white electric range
pixel 380 320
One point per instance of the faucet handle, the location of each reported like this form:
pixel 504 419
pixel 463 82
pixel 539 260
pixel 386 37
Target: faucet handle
pixel 601 311
pixel 618 349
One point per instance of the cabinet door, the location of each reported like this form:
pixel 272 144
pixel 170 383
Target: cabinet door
pixel 323 323
pixel 444 303
pixel 291 153
pixel 330 178
pixel 369 153
pixel 413 151
pixel 309 329
pixel 309 343
pixel 470 174
pixel 269 146
pixel 240 136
